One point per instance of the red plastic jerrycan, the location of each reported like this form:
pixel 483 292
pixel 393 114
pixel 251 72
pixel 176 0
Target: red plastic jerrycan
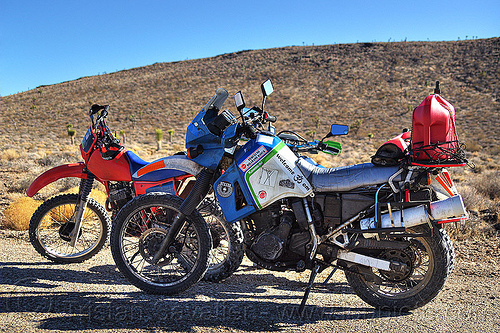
pixel 433 131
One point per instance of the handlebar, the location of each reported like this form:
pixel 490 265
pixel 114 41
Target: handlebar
pixel 95 108
pixel 269 118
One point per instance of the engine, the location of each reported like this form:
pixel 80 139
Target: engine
pixel 119 194
pixel 270 244
pixel 278 237
pixel 275 239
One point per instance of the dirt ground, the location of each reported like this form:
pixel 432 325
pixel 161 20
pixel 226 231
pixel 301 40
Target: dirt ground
pixel 38 296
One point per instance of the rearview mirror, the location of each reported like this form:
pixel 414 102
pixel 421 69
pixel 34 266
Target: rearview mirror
pixel 240 102
pixel 267 88
pixel 338 130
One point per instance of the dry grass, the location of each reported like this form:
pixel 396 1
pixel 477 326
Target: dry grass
pixel 474 228
pixel 488 184
pixel 17 216
pixel 9 155
pixel 96 194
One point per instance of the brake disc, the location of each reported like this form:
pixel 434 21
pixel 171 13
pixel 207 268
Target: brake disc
pixel 150 242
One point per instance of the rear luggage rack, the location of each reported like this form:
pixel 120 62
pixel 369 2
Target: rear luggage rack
pixel 441 154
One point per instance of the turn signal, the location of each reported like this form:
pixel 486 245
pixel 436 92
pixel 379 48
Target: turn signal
pixel 193 152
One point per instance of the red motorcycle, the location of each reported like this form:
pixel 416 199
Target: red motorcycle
pixel 71 228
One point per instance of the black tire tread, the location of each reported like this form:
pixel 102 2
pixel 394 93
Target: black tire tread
pixel 151 199
pixel 444 260
pixel 57 201
pixel 235 255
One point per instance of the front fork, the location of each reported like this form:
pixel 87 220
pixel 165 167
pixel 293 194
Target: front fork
pixel 197 194
pixel 81 206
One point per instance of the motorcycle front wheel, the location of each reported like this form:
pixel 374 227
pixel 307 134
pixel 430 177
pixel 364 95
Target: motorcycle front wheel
pixel 429 260
pixel 137 233
pixel 52 223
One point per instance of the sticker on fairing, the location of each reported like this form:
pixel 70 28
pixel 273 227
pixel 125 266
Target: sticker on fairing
pixel 252 159
pixel 275 176
pixel 268 177
pixel 225 189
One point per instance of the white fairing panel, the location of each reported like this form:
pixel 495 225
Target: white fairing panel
pixel 276 176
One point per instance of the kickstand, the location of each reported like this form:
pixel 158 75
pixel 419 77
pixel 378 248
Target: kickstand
pixel 308 289
pixel 330 276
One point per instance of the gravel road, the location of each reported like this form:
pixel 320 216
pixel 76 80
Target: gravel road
pixel 38 296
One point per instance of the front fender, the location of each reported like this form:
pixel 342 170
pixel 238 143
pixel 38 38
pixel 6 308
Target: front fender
pixel 50 176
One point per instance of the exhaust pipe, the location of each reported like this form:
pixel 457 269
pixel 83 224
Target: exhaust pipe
pixel 452 207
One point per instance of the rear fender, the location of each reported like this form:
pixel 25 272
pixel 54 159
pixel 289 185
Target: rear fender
pixel 50 176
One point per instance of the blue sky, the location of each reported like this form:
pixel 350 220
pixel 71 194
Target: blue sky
pixel 47 42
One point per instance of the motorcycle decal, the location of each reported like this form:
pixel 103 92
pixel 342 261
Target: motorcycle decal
pixel 253 158
pixel 224 189
pixel 262 177
pixel 150 167
pixel 287 183
pixel 167 167
pixel 268 177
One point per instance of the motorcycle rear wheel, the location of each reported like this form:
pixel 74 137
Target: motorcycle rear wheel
pixel 138 230
pixel 53 215
pixel 430 259
pixel 227 243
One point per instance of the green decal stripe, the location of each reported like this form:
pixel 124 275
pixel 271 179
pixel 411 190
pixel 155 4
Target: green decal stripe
pixel 257 166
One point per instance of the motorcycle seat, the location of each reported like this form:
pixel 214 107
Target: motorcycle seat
pixel 346 178
pixel 152 175
pixel 135 162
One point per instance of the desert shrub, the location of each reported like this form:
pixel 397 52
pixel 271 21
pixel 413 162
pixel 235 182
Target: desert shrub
pixel 49 160
pixel 473 199
pixel 159 138
pixel 177 147
pixel 9 154
pixel 488 184
pixel 159 134
pixel 71 133
pixel 18 214
pixel 473 146
pixel 19 185
pixel 356 126
pixel 474 228
pixel 170 134
pixel 96 194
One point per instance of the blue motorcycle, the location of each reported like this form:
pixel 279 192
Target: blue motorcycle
pixel 381 225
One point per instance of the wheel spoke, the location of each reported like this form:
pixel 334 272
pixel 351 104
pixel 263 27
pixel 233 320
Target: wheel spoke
pixel 52 230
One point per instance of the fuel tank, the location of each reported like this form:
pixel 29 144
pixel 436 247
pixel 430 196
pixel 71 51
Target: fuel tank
pixel 117 169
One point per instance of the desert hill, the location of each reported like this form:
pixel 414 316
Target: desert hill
pixel 376 83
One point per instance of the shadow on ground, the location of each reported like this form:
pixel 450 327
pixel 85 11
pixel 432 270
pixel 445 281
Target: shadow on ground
pixel 241 302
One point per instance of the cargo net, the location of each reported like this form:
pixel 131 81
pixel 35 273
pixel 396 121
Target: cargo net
pixel 450 153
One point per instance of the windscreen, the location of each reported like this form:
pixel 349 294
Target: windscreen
pixel 217 100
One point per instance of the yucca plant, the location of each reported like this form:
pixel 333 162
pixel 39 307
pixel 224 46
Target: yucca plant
pixel 170 134
pixel 159 138
pixel 122 136
pixel 71 133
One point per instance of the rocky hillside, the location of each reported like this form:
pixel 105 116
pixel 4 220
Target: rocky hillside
pixel 376 85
